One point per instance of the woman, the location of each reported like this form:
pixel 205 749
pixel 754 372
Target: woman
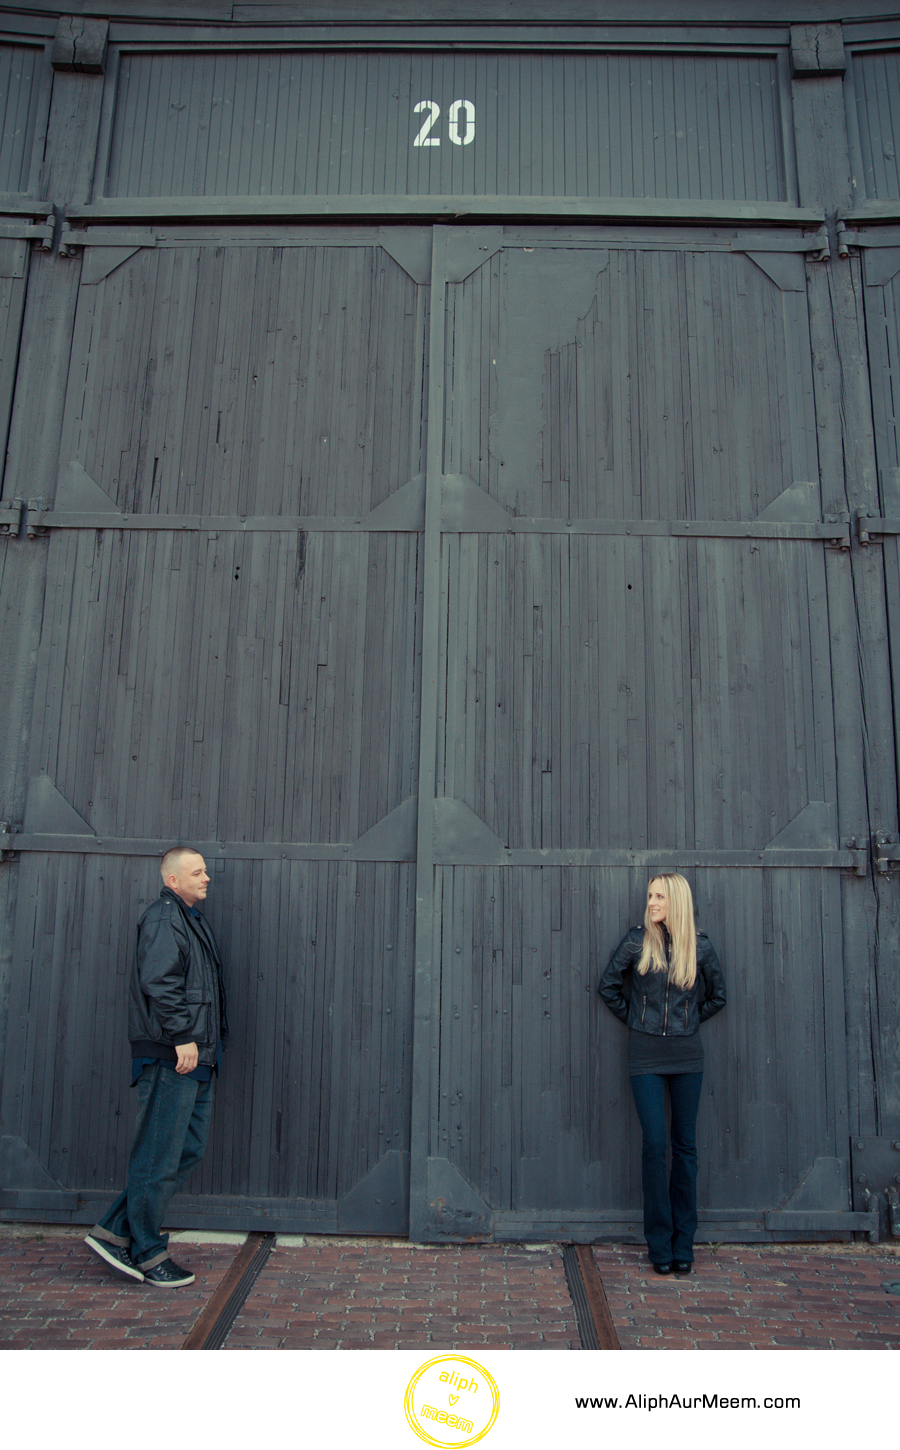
pixel 675 983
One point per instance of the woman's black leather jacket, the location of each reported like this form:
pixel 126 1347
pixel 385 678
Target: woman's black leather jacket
pixel 655 1004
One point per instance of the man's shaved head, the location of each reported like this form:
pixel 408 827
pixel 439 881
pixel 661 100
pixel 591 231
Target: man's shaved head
pixel 183 871
pixel 170 865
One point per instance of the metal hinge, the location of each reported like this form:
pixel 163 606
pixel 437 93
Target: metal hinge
pixel 893 1203
pixel 71 240
pixel 11 515
pixel 819 246
pixel 875 1172
pixel 41 232
pixel 885 852
pixel 46 232
pixel 868 525
pixel 859 850
pixel 6 837
pixel 846 239
pixel 841 536
pixel 35 527
pixel 872 1205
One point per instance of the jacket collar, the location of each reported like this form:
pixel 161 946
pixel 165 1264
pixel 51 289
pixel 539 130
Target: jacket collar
pixel 171 895
pixel 195 921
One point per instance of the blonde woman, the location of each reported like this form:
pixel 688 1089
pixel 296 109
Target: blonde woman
pixel 674 983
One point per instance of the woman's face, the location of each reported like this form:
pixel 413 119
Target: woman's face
pixel 656 901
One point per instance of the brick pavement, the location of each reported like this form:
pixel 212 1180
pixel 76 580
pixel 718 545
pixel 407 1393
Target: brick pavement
pixel 325 1293
pixel 334 1295
pixel 784 1296
pixel 55 1294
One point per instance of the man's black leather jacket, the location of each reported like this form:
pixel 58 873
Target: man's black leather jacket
pixel 176 993
pixel 656 1005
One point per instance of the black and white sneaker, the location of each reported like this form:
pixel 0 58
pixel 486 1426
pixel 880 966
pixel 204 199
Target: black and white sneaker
pixel 117 1257
pixel 168 1275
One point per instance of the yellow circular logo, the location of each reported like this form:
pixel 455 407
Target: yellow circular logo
pixel 451 1400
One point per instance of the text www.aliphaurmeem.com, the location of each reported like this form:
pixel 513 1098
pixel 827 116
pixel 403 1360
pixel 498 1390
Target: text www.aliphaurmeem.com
pixel 687 1402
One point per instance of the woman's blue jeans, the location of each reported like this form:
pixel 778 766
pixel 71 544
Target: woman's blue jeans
pixel 173 1120
pixel 670 1198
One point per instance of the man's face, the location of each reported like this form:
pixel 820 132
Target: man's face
pixel 190 880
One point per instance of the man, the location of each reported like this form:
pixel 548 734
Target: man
pixel 177 1027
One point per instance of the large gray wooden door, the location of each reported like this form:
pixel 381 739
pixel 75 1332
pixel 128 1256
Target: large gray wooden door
pixel 229 657
pixel 625 601
pixel 457 721
pixel 878 529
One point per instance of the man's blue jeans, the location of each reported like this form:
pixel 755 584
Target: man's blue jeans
pixel 174 1114
pixel 670 1200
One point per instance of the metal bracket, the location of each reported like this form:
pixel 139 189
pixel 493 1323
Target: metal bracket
pixel 35 527
pixel 7 835
pixel 885 852
pixel 860 853
pixel 11 515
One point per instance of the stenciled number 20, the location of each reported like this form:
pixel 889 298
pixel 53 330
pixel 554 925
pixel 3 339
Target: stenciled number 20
pixel 425 138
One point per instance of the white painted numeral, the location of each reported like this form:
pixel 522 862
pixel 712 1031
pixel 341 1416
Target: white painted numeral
pixel 453 113
pixel 423 138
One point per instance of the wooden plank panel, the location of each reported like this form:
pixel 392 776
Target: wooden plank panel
pixel 205 124
pixel 702 408
pixel 691 686
pixel 205 690
pixel 12 304
pixel 279 1129
pixel 577 1143
pixel 272 404
pixel 876 84
pixel 21 68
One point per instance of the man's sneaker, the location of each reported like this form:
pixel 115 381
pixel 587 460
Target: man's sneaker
pixel 116 1257
pixel 168 1276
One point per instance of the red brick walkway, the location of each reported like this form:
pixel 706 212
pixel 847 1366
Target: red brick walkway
pixel 756 1297
pixel 330 1295
pixel 55 1294
pixel 371 1294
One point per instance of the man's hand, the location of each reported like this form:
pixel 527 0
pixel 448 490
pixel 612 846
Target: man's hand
pixel 188 1057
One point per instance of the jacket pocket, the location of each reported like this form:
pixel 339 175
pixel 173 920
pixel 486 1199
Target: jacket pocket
pixel 200 1015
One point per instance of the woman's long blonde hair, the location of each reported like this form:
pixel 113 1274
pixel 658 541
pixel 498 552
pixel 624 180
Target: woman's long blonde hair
pixel 681 929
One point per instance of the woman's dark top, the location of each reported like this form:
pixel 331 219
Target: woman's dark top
pixel 663 1019
pixel 649 1053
